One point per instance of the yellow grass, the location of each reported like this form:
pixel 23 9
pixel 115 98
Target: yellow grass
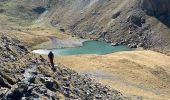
pixel 142 73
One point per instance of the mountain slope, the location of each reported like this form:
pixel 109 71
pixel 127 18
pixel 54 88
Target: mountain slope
pixel 121 21
pixel 24 75
pixel 142 73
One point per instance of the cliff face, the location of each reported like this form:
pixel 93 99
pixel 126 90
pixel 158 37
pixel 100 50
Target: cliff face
pixel 158 8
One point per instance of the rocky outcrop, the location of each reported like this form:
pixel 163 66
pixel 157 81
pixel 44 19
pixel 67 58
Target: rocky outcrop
pixel 158 8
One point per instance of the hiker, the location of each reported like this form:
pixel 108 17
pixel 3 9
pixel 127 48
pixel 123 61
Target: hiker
pixel 51 59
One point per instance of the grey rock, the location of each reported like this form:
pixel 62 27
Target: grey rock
pixel 50 84
pixel 140 45
pixel 98 97
pixel 4 83
pixel 31 79
pixel 135 20
pixel 17 93
pixel 12 57
pixel 22 47
pixel 62 29
pixel 115 44
pixel 115 15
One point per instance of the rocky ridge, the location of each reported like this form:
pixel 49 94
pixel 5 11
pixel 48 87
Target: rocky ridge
pixel 24 76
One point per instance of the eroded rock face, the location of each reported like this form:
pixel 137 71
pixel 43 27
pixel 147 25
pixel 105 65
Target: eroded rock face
pixel 158 8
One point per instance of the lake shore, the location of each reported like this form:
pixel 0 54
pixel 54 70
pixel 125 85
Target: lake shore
pixel 88 47
pixel 55 43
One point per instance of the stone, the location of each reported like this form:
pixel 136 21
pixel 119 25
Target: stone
pixel 50 83
pixel 107 41
pixel 22 47
pixel 140 45
pixel 4 83
pixel 98 96
pixel 66 91
pixel 135 20
pixel 31 79
pixel 3 91
pixel 22 71
pixel 62 29
pixel 8 48
pixel 132 45
pixel 114 44
pixel 17 93
pixel 115 15
pixel 12 57
pixel 42 90
pixel 143 20
pixel 130 32
pixel 30 89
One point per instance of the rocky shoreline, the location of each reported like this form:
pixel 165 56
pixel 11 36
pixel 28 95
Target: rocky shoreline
pixel 25 76
pixel 54 43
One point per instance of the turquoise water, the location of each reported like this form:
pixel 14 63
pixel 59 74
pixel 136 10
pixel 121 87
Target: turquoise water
pixel 89 47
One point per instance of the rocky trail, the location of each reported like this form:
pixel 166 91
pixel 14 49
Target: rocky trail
pixel 25 76
pixel 102 74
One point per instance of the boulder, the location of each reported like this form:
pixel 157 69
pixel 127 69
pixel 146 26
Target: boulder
pixel 50 83
pixel 12 57
pixel 135 20
pixel 114 44
pixel 21 47
pixel 3 91
pixel 140 45
pixel 4 83
pixel 17 93
pixel 115 15
pixel 31 79
pixel 98 97
pixel 132 45
pixel 62 29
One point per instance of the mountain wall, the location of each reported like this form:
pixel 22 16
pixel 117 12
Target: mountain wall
pixel 159 9
pixel 136 23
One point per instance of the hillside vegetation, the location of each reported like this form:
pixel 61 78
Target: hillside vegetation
pixel 142 73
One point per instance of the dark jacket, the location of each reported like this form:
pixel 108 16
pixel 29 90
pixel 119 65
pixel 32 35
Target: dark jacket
pixel 50 55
